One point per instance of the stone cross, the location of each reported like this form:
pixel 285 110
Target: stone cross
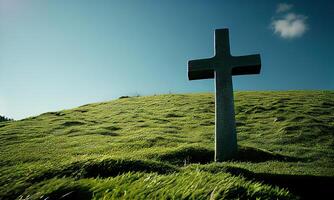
pixel 222 66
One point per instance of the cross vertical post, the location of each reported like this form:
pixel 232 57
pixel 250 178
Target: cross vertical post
pixel 225 137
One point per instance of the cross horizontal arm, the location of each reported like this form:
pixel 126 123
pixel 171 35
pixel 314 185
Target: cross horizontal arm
pixel 250 64
pixel 200 69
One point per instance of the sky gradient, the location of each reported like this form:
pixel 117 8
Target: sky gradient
pixel 58 54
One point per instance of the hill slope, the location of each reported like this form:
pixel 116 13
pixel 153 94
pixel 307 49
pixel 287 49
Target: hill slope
pixel 162 146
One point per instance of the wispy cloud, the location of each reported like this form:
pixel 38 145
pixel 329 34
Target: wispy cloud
pixel 283 7
pixel 289 24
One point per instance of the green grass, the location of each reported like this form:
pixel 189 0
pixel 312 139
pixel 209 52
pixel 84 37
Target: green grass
pixel 162 147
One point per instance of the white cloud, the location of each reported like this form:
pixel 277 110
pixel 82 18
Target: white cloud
pixel 283 7
pixel 290 26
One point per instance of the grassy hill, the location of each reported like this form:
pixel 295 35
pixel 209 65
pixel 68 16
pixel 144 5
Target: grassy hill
pixel 162 147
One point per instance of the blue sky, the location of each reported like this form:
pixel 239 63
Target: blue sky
pixel 58 54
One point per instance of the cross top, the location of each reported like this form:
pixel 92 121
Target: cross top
pixel 223 60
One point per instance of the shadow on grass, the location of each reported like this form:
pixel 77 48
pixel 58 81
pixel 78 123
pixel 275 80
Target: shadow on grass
pixel 72 123
pixel 304 186
pixel 186 155
pixel 105 168
pixel 193 154
pixel 255 155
